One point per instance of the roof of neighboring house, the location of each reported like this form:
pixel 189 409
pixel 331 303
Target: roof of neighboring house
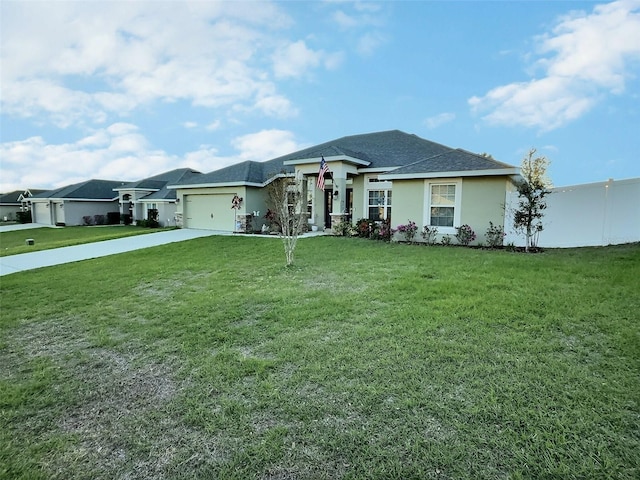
pixel 158 183
pixel 14 197
pixel 392 152
pixel 87 190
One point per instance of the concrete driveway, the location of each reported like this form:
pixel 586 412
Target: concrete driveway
pixel 24 226
pixel 58 256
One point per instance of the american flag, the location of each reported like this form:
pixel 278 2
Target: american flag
pixel 324 168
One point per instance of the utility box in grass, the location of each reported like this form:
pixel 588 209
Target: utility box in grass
pixel 30 241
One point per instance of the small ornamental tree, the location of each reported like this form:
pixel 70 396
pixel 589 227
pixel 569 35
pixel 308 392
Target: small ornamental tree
pixel 285 202
pixel 532 190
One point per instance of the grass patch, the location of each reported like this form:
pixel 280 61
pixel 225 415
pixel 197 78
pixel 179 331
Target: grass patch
pixel 210 359
pixel 14 242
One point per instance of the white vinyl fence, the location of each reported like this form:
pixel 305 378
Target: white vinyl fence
pixel 593 214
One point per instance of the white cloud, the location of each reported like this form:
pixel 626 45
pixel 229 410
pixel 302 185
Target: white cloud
pixel 265 144
pixel 587 56
pixel 364 22
pixel 440 119
pixel 215 125
pixel 344 20
pixel 296 60
pixel 121 152
pixel 77 62
pixel 369 43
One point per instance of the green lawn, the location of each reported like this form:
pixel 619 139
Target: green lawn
pixel 365 360
pixel 14 242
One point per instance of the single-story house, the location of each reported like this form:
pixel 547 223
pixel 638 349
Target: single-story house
pixel 150 199
pixel 17 201
pixel 71 204
pixel 370 176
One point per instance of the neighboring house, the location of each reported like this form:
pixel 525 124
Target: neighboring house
pixel 71 204
pixel 371 176
pixel 150 199
pixel 13 202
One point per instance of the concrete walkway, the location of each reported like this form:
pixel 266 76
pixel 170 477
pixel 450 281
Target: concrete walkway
pixel 58 256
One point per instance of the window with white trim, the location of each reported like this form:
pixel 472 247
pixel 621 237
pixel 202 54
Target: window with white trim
pixel 443 205
pixel 378 199
pixel 311 188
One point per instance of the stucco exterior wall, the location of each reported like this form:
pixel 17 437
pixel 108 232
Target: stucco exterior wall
pixel 408 203
pixel 358 199
pixel 9 211
pixel 166 212
pixel 482 200
pixel 74 211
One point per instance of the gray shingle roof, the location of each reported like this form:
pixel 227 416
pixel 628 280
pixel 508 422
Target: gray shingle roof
pixel 451 161
pixel 13 197
pixel 160 182
pixel 243 172
pixel 391 150
pixel 88 190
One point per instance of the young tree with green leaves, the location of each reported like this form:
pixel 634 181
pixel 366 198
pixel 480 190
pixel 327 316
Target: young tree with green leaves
pixel 532 189
pixel 285 202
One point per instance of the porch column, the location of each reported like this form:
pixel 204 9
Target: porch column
pixel 339 186
pixel 339 193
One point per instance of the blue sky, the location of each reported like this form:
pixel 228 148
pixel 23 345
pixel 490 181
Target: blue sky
pixel 127 89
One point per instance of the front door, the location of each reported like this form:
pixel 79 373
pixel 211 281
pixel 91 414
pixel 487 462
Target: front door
pixel 349 207
pixel 328 207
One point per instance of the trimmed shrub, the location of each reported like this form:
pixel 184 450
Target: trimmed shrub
pixel 24 217
pixel 113 218
pixel 429 234
pixel 364 227
pixel 465 235
pixel 495 235
pixel 408 231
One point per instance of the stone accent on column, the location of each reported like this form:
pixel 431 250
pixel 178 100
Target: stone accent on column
pixel 243 223
pixel 336 218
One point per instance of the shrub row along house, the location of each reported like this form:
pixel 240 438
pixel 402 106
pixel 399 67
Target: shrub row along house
pixel 388 175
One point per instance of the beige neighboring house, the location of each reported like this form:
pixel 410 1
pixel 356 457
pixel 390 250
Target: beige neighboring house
pixel 71 204
pixel 14 202
pixel 150 199
pixel 388 175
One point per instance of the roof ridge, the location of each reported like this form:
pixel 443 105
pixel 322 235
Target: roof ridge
pixel 490 157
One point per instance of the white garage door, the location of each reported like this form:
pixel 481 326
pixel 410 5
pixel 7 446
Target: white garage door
pixel 41 214
pixel 209 212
